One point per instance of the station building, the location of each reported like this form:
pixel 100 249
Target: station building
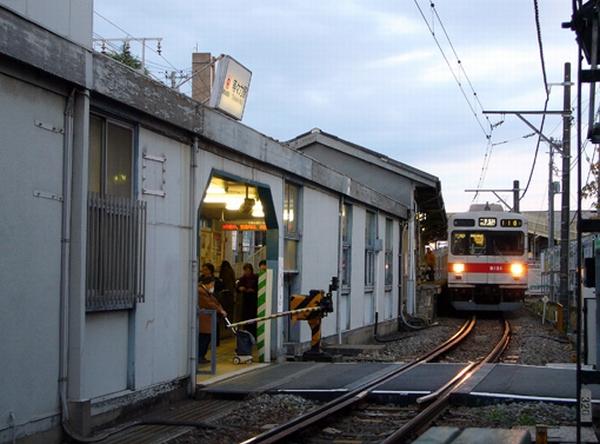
pixel 115 189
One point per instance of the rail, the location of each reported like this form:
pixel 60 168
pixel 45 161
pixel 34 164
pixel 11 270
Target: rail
pixel 442 396
pixel 302 422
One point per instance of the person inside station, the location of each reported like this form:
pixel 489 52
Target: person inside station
pixel 430 264
pixel 207 274
pixel 206 300
pixel 227 294
pixel 247 287
pixel 262 266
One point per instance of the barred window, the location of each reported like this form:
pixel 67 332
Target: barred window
pixel 346 247
pixel 116 228
pixel 370 250
pixel 291 214
pixel 389 256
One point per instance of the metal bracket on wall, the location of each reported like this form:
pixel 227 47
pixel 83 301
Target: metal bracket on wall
pixel 48 127
pixel 47 195
pixel 153 178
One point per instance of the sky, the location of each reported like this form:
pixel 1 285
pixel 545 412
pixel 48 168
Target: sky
pixel 370 72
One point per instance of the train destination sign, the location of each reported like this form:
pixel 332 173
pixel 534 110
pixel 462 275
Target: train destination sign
pixel 511 223
pixel 487 221
pixel 464 222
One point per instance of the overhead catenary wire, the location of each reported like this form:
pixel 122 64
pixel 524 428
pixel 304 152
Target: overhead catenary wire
pixel 486 133
pixel 130 35
pixel 460 63
pixel 546 89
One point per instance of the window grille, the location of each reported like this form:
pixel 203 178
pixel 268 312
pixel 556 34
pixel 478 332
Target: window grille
pixel 389 256
pixel 346 247
pixel 116 244
pixel 370 251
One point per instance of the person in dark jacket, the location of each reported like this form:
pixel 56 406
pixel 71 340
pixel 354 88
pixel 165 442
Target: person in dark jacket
pixel 227 294
pixel 247 287
pixel 206 300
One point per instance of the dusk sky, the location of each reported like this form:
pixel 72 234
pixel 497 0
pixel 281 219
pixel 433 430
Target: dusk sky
pixel 370 72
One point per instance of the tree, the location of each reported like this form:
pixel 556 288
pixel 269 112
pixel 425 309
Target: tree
pixel 590 189
pixel 127 58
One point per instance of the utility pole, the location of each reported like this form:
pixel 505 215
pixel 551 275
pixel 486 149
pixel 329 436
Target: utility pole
pixel 516 207
pixel 564 213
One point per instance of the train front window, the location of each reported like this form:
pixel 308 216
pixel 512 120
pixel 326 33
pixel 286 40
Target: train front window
pixel 492 243
pixel 468 243
pixel 505 243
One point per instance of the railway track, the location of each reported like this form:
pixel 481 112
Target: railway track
pixel 439 400
pixel 301 423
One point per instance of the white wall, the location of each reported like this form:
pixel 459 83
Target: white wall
pixel 69 18
pixel 30 242
pixel 161 322
pixel 357 287
pixel 319 261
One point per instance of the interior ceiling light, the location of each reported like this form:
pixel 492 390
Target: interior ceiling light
pixel 257 210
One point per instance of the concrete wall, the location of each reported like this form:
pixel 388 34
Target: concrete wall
pixel 69 18
pixel 379 179
pixel 357 287
pixel 319 261
pixel 30 240
pixel 161 322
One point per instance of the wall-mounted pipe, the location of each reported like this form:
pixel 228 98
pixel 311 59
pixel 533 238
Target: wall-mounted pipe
pixel 338 302
pixel 65 255
pixel 193 296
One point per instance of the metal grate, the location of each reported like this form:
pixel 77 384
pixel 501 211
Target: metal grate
pixel 116 252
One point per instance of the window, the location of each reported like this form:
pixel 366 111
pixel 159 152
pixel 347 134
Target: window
pixel 291 215
pixel 491 243
pixel 370 251
pixel 346 247
pixel 389 248
pixel 116 231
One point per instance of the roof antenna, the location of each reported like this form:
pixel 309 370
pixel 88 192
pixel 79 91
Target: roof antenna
pixel 487 207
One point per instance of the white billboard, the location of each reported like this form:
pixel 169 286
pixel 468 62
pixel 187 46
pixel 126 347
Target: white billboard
pixel 230 88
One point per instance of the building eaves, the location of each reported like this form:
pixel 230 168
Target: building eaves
pixel 365 154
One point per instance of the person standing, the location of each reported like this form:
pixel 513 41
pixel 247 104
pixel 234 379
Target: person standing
pixel 206 300
pixel 430 263
pixel 247 288
pixel 262 266
pixel 227 295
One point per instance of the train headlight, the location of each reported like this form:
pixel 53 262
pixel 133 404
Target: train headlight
pixel 517 270
pixel 458 267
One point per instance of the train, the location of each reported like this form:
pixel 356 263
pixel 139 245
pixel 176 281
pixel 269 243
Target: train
pixel 486 259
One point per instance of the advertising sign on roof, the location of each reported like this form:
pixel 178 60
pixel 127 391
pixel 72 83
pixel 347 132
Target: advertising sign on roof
pixel 230 88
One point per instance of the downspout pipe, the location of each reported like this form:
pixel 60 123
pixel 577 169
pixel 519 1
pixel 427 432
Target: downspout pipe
pixel 193 296
pixel 338 302
pixel 65 247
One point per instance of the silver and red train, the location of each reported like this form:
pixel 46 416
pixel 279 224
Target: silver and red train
pixel 487 259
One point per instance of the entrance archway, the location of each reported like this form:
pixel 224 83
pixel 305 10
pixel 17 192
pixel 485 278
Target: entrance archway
pixel 237 224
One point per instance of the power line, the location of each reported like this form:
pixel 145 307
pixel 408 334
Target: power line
pixel 546 89
pixel 458 82
pixel 540 46
pixel 459 62
pixel 129 35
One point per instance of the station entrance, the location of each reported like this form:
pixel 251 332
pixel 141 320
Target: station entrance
pixel 237 239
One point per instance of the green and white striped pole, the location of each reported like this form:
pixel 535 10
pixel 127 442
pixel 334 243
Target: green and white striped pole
pixel 262 330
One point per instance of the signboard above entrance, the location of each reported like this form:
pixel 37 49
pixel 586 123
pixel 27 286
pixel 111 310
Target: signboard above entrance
pixel 230 88
pixel 243 226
